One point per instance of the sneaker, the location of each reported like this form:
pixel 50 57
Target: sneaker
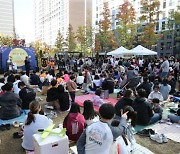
pixel 18 135
pixel 164 138
pixel 2 127
pixel 157 138
pixel 16 124
pixel 146 132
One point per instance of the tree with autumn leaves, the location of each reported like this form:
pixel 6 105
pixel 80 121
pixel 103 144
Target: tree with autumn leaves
pixel 59 42
pixel 81 37
pixel 150 13
pixel 84 37
pixel 126 30
pixel 105 40
pixel 70 40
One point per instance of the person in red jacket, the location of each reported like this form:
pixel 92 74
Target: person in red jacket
pixel 74 122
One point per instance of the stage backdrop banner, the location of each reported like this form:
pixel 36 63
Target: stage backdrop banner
pixel 18 55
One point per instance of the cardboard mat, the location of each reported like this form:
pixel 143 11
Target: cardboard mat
pixel 171 131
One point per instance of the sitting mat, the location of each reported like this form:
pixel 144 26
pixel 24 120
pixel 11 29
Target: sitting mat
pixel 80 100
pixel 171 131
pixel 141 127
pixel 115 91
pixel 139 149
pixel 21 118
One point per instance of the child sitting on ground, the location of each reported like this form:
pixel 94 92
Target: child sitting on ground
pixel 157 107
pixel 155 94
pixel 97 101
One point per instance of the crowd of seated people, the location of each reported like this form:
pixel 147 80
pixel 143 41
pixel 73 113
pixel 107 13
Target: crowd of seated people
pixel 93 131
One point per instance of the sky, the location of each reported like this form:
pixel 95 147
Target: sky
pixel 24 19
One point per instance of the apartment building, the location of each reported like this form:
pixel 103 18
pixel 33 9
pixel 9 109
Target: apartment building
pixel 6 17
pixel 167 45
pixel 53 15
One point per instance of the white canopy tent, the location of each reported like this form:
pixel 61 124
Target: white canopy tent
pixel 120 51
pixel 140 50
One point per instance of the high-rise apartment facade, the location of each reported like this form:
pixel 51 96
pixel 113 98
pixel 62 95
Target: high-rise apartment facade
pixel 54 15
pixel 7 17
pixel 167 45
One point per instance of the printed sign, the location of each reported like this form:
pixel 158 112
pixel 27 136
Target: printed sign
pixel 44 62
pixel 18 56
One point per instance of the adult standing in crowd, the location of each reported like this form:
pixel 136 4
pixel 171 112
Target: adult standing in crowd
pixel 87 79
pixel 165 67
pixel 27 65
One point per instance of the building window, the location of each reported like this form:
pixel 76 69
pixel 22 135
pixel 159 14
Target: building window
pixel 170 3
pixel 163 25
pixel 169 45
pixel 157 16
pixel 164 4
pixel 162 46
pixel 169 36
pixel 96 15
pixel 177 45
pixel 164 15
pixel 157 26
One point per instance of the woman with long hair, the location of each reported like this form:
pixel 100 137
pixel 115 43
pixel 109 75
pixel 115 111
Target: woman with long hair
pixel 63 98
pixel 33 123
pixel 74 122
pixel 89 114
pixel 130 122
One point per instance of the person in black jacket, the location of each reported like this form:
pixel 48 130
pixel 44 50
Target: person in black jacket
pixel 52 95
pixel 126 100
pixel 63 98
pixel 146 86
pixel 27 95
pixel 34 79
pixel 27 65
pixel 144 111
pixel 10 103
pixel 11 78
pixel 108 84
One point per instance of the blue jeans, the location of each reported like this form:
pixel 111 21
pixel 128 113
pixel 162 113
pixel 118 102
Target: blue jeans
pixel 174 118
pixel 164 74
pixel 154 118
